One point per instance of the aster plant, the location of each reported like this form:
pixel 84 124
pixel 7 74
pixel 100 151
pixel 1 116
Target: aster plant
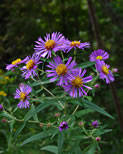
pixel 14 64
pixel 76 44
pixel 53 42
pixel 59 70
pixel 99 54
pixel 57 95
pixel 29 70
pixel 22 93
pixel 104 71
pixel 76 83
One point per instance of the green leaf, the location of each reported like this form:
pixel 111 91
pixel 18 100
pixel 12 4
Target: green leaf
pixel 83 102
pixel 38 109
pixel 94 107
pixel 77 150
pixel 7 115
pixel 83 112
pixel 100 132
pixel 60 142
pixel 11 125
pixel 86 64
pixel 40 83
pixel 19 130
pixel 39 136
pixel 92 149
pixel 51 148
pixel 35 115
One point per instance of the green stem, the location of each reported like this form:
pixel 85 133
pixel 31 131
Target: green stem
pixel 85 131
pixel 62 55
pixel 52 96
pixel 75 54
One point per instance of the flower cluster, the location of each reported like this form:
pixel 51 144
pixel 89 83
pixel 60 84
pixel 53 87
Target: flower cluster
pixel 70 77
pixel 102 68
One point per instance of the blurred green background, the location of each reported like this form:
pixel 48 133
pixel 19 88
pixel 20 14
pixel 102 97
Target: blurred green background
pixel 23 21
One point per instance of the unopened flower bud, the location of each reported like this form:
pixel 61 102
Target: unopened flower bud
pixel 97 86
pixel 114 70
pixel 4 120
pixel 57 115
pixel 95 123
pixel 98 139
pixel 80 123
pixel 49 125
pixel 21 85
pixel 41 125
pixel 1 107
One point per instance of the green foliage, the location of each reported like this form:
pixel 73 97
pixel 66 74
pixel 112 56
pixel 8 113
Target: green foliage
pixel 22 22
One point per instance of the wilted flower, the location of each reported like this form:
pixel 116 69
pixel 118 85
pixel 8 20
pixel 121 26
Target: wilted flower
pixel 1 107
pixel 104 71
pixel 54 43
pixel 95 123
pixel 77 82
pixel 63 126
pixel 76 44
pixel 99 54
pixel 98 139
pixel 31 66
pixel 60 70
pixel 14 64
pixel 22 94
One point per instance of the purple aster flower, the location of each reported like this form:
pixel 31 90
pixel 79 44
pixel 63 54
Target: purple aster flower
pixel 63 126
pixel 1 107
pixel 14 64
pixel 22 94
pixel 95 123
pixel 76 83
pixel 104 71
pixel 60 70
pixel 54 43
pixel 99 54
pixel 75 44
pixel 31 66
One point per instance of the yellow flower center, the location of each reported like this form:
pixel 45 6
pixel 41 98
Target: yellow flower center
pixel 50 44
pixel 2 93
pixel 16 61
pixel 75 43
pixel 77 82
pixel 105 70
pixel 99 57
pixel 22 96
pixel 30 64
pixel 61 69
